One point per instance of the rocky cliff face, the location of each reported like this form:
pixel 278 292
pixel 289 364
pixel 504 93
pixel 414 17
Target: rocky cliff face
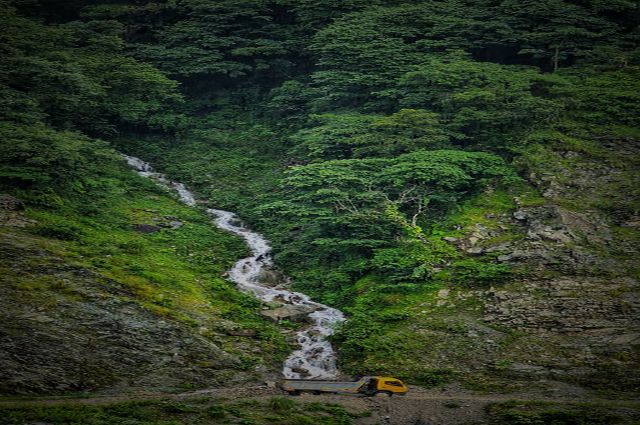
pixel 576 304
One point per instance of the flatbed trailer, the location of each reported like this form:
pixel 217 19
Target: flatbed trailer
pixel 367 385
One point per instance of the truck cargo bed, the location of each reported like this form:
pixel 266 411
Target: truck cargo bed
pixel 300 385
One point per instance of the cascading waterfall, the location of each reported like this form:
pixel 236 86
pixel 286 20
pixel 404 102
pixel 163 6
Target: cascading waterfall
pixel 315 357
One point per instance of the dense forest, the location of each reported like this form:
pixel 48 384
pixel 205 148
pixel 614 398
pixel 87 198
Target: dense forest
pixel 380 145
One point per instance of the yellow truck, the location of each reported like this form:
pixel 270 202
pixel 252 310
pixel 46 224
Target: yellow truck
pixel 366 385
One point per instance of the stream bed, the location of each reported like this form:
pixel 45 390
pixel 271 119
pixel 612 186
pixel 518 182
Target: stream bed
pixel 315 357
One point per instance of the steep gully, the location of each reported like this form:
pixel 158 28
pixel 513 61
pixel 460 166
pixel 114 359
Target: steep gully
pixel 315 357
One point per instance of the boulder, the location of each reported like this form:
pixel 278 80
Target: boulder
pixel 175 224
pixel 292 313
pixel 10 212
pixel 10 203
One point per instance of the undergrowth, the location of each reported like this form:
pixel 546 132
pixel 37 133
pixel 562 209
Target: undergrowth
pixel 210 411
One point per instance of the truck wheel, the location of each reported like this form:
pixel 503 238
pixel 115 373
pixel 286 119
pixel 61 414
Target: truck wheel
pixel 316 392
pixel 295 392
pixel 382 394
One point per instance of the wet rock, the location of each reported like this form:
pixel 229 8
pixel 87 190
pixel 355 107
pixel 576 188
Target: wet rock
pixel 292 313
pixel 272 277
pixel 633 222
pixel 302 372
pixel 566 305
pixel 628 339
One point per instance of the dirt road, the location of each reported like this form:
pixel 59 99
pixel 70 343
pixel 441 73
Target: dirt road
pixel 449 405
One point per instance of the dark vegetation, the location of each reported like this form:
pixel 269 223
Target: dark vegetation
pixel 355 134
pixel 515 412
pixel 202 410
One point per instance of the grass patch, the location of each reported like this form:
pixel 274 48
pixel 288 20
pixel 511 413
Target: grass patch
pixel 279 410
pixel 516 412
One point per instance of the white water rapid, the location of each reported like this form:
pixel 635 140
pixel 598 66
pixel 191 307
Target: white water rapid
pixel 315 358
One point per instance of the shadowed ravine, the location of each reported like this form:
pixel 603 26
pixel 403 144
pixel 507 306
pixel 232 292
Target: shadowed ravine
pixel 315 357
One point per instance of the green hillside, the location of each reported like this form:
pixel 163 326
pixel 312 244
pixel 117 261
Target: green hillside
pixel 459 177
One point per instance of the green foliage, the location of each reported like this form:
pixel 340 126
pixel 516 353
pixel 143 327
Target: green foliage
pixel 59 228
pixel 343 136
pixel 230 38
pixel 482 102
pixel 560 32
pixel 216 412
pixel 334 136
pixel 40 156
pixel 348 215
pixel 433 378
pixel 412 261
pixel 476 273
pixel 74 75
pixel 533 413
pixel 157 412
pixel 603 98
pixel 281 403
pixel 366 52
pixel 60 84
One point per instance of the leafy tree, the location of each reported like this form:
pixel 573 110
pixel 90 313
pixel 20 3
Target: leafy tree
pixel 482 102
pixel 332 136
pixel 62 84
pixel 405 131
pixel 343 136
pixel 605 98
pixel 359 209
pixel 229 38
pixel 561 31
pixel 36 155
pixel 74 76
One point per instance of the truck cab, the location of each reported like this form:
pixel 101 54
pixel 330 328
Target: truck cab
pixel 383 385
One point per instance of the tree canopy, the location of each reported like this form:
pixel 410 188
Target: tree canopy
pixel 343 129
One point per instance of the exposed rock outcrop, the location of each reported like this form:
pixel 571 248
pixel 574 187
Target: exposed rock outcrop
pixel 292 313
pixel 572 311
pixel 11 212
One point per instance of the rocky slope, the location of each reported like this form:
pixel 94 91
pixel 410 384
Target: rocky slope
pixel 66 326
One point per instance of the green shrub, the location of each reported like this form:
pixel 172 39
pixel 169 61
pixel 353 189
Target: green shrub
pixel 281 403
pixel 179 408
pixel 475 273
pixel 432 378
pixel 59 228
pixel 216 412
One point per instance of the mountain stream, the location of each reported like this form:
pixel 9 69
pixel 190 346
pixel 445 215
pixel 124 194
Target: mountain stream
pixel 315 357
